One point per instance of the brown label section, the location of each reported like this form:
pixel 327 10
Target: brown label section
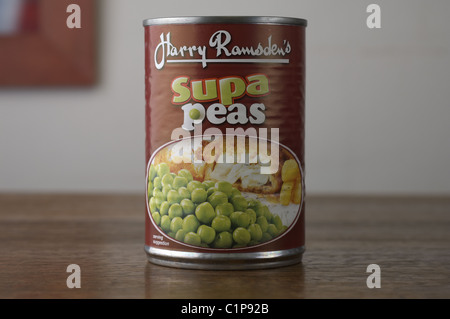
pixel 188 69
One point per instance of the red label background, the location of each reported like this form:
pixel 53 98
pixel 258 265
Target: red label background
pixel 284 105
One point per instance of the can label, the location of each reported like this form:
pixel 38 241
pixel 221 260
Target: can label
pixel 225 137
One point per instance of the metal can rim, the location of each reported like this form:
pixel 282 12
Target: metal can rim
pixel 226 20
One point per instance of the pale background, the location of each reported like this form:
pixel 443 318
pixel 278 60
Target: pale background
pixel 378 102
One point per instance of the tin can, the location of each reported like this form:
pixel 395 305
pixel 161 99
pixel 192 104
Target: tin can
pixel 225 181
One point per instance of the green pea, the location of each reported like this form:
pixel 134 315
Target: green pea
pixel 159 201
pixel 180 235
pixel 157 183
pixel 259 209
pixel 198 195
pixel 167 180
pixel 171 234
pixel 253 243
pixel 221 223
pixel 163 169
pixel 165 190
pixel 184 193
pixel 208 184
pixel 267 213
pixel 175 210
pixel 195 114
pixel 176 224
pixel 223 240
pixel 235 192
pixel 164 208
pixel 205 213
pixel 255 232
pixel 165 223
pixel 150 188
pixel 252 203
pixel 225 209
pixel 234 217
pixel 190 223
pixel 173 197
pixel 188 207
pixel 206 233
pixel 276 220
pixel 179 181
pixel 241 219
pixel 239 202
pixel 211 190
pixel 192 238
pixel 157 218
pixel 152 172
pixel 266 237
pixel 186 174
pixel 193 185
pixel 252 214
pixel 241 236
pixel 272 230
pixel 224 187
pixel 152 205
pixel 217 198
pixel 157 193
pixel 262 222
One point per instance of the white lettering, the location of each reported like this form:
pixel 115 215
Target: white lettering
pixel 213 111
pixel 166 49
pixel 374 19
pixel 219 41
pixel 239 116
pixel 257 114
pixel 74 280
pixel 260 148
pixel 373 280
pixel 217 114
pixel 193 309
pixel 74 20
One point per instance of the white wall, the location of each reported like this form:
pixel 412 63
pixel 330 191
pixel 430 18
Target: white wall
pixel 377 102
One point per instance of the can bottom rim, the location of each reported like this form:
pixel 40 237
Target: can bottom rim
pixel 222 261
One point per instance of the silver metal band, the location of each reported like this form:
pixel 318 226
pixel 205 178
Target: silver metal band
pixel 226 20
pixel 224 261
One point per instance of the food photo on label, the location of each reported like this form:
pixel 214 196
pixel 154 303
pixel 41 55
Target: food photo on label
pixel 232 198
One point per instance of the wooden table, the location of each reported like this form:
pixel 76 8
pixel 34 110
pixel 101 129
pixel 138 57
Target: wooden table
pixel 40 235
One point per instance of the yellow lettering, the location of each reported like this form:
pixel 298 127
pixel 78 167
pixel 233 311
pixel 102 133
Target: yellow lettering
pixel 204 90
pixel 258 84
pixel 181 92
pixel 231 88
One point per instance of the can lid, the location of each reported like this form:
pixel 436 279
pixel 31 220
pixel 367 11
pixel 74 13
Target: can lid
pixel 226 20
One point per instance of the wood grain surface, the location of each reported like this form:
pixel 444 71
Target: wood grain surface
pixel 40 235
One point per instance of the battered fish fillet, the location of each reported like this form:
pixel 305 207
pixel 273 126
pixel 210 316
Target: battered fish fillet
pixel 244 176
